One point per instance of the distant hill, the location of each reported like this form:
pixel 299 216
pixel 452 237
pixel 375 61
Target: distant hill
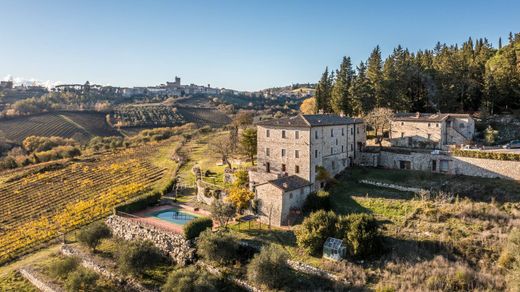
pixel 81 126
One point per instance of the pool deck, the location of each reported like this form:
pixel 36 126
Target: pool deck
pixel 143 216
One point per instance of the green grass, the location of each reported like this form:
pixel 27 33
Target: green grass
pixel 14 281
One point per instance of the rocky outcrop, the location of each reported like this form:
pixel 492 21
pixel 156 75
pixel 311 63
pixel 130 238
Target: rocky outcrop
pixel 174 245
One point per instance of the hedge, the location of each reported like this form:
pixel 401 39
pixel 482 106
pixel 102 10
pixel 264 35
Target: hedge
pixel 139 203
pixel 193 228
pixel 487 155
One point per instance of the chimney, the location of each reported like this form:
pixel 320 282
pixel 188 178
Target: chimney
pixel 285 185
pixel 342 114
pixel 320 112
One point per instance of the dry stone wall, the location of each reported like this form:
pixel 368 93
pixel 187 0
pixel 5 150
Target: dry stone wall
pixel 175 245
pixel 38 281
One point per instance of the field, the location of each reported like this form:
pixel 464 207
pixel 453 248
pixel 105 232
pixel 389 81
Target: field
pixel 43 201
pixel 159 115
pixel 80 126
pixel 426 242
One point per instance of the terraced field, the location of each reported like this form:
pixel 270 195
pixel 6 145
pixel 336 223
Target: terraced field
pixel 41 202
pixel 81 126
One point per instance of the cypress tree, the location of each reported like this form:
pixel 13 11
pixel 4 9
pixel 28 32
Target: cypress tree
pixel 323 91
pixel 340 97
pixel 375 75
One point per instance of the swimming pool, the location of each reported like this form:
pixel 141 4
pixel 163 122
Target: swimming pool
pixel 174 216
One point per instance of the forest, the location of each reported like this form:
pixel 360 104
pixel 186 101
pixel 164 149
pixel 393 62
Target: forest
pixel 474 76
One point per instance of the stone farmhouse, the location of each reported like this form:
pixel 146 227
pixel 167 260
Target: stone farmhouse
pixel 431 131
pixel 290 153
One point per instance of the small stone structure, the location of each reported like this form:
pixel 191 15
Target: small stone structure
pixel 207 193
pixel 38 280
pixel 175 245
pixel 442 162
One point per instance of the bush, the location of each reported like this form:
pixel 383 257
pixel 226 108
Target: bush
pixel 362 234
pixel 139 203
pixel 190 279
pixel 270 268
pixel 193 228
pixel 91 235
pixel 317 201
pixel 487 155
pixel 62 267
pixel 222 212
pixel 135 257
pixel 81 280
pixel 217 247
pixel 315 229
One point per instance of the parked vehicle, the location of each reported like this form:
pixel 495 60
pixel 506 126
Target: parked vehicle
pixel 512 145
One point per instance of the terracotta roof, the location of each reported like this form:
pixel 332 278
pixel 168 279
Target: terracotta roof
pixel 289 183
pixel 310 121
pixel 426 117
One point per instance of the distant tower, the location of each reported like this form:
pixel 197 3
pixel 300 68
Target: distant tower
pixel 177 81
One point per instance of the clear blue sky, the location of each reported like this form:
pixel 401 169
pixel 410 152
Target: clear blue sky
pixel 238 44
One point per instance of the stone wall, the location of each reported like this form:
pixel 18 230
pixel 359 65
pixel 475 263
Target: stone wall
pixel 39 281
pixel 424 161
pixel 175 245
pixel 207 193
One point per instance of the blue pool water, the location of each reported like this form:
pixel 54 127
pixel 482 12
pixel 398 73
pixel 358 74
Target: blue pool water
pixel 174 216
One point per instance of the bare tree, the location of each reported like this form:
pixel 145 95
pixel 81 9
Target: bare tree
pixel 379 119
pixel 222 146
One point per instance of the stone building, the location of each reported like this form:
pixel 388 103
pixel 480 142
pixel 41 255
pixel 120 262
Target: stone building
pixel 433 131
pixel 290 151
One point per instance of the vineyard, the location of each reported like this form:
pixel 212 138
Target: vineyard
pixel 158 115
pixel 80 126
pixel 40 203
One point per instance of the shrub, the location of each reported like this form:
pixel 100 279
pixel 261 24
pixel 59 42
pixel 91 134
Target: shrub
pixel 222 212
pixel 62 267
pixel 217 247
pixel 190 279
pixel 81 280
pixel 91 235
pixel 317 201
pixel 139 203
pixel 315 229
pixel 269 267
pixel 193 228
pixel 240 197
pixel 135 257
pixel 362 235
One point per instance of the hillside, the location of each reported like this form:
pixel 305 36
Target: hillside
pixel 42 201
pixel 81 126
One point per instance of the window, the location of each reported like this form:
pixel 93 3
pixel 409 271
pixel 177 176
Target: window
pixel 296 134
pixel 403 164
pixel 315 153
pixel 437 125
pixel 357 130
pixel 342 148
pixel 297 169
pixel 429 136
pixel 402 135
pixel 267 133
pixel 434 165
pixel 268 167
pixel 267 152
pixel 316 134
pixel 351 131
pixel 290 195
pixel 333 164
pixel 315 168
pixel 429 125
pixel 351 147
pixel 444 166
pixel 461 125
pixel 283 152
pixel 336 141
pixel 283 134
pixel 283 167
pixel 296 153
pixel 332 132
pixel 342 131
pixel 331 150
pixel 402 123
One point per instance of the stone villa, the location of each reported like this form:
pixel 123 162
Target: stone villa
pixel 432 131
pixel 290 152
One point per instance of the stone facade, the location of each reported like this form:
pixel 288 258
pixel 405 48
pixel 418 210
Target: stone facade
pixel 298 146
pixel 175 245
pixel 443 162
pixel 433 131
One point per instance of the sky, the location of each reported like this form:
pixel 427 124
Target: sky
pixel 239 44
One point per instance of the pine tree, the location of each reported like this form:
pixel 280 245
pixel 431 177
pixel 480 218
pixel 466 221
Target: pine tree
pixel 340 98
pixel 375 75
pixel 323 90
pixel 361 92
